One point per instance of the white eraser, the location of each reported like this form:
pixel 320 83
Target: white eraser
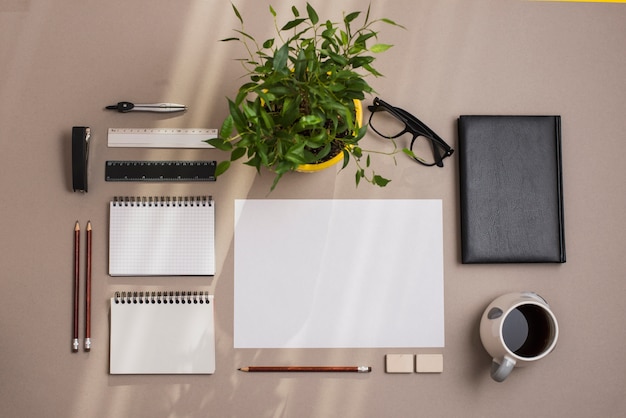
pixel 429 363
pixel 399 363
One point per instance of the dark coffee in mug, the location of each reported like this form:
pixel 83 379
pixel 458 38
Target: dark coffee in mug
pixel 517 329
pixel 528 330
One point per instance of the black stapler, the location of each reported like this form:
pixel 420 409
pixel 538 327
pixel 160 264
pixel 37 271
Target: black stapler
pixel 80 156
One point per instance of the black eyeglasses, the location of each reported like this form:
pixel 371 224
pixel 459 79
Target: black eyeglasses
pixel 391 122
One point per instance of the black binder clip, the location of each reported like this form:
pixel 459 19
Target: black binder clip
pixel 80 155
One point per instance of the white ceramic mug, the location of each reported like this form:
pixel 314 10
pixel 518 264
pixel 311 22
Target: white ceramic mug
pixel 517 329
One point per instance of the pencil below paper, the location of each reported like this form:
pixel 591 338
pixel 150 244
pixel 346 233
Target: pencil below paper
pixel 308 369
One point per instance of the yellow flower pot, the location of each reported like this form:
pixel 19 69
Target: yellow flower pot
pixel 311 168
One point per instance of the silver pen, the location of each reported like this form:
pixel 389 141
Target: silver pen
pixel 124 107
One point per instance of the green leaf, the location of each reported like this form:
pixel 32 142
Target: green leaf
pixel 362 39
pixel 412 154
pixel 380 48
pixel 236 115
pixel 380 181
pixel 292 24
pixel 350 17
pixel 339 59
pixel 295 11
pixel 222 167
pixel 344 38
pixel 278 176
pixel 372 70
pixel 346 158
pixel 237 153
pixel 285 166
pixel 268 44
pixel 220 144
pixel 357 62
pixel 280 58
pixel 241 96
pixel 329 34
pixel 356 49
pixel 361 133
pixel 300 66
pixel 312 14
pixel 336 87
pixel 255 162
pixel 391 22
pixel 245 34
pixel 296 154
pixel 249 111
pixel 237 13
pixel 272 11
pixel 227 128
pixel 289 113
pixel 317 139
pixel 309 121
pixel 260 158
pixel 267 120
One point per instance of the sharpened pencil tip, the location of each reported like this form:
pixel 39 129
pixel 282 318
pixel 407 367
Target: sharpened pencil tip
pixel 88 225
pixel 77 226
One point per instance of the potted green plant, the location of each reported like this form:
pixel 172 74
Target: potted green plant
pixel 301 103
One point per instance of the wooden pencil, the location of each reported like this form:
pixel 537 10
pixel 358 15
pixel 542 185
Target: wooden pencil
pixel 75 343
pixel 88 291
pixel 353 369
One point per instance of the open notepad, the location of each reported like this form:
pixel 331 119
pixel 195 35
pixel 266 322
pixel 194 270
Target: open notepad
pixel 164 236
pixel 162 333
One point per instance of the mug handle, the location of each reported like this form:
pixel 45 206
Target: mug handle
pixel 501 371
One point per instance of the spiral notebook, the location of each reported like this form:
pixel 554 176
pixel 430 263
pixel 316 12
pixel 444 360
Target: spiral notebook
pixel 162 236
pixel 162 333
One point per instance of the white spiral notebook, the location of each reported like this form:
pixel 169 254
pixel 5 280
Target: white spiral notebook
pixel 162 236
pixel 162 333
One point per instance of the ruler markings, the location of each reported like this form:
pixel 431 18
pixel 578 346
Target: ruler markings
pixel 156 171
pixel 160 137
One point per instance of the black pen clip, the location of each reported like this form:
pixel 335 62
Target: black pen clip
pixel 122 107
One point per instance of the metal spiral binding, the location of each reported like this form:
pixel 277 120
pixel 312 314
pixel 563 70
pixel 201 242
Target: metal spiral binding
pixel 163 201
pixel 168 297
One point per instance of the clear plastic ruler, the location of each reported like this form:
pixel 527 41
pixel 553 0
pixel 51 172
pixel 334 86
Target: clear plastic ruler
pixel 160 137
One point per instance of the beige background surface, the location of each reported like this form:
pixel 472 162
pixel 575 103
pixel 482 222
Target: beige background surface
pixel 62 62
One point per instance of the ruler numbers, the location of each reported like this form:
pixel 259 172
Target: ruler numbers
pixel 160 171
pixel 160 137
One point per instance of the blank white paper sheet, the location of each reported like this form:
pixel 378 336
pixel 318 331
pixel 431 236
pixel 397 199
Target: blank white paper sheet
pixel 338 273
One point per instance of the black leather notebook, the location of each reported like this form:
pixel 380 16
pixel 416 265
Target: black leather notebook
pixel 511 189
